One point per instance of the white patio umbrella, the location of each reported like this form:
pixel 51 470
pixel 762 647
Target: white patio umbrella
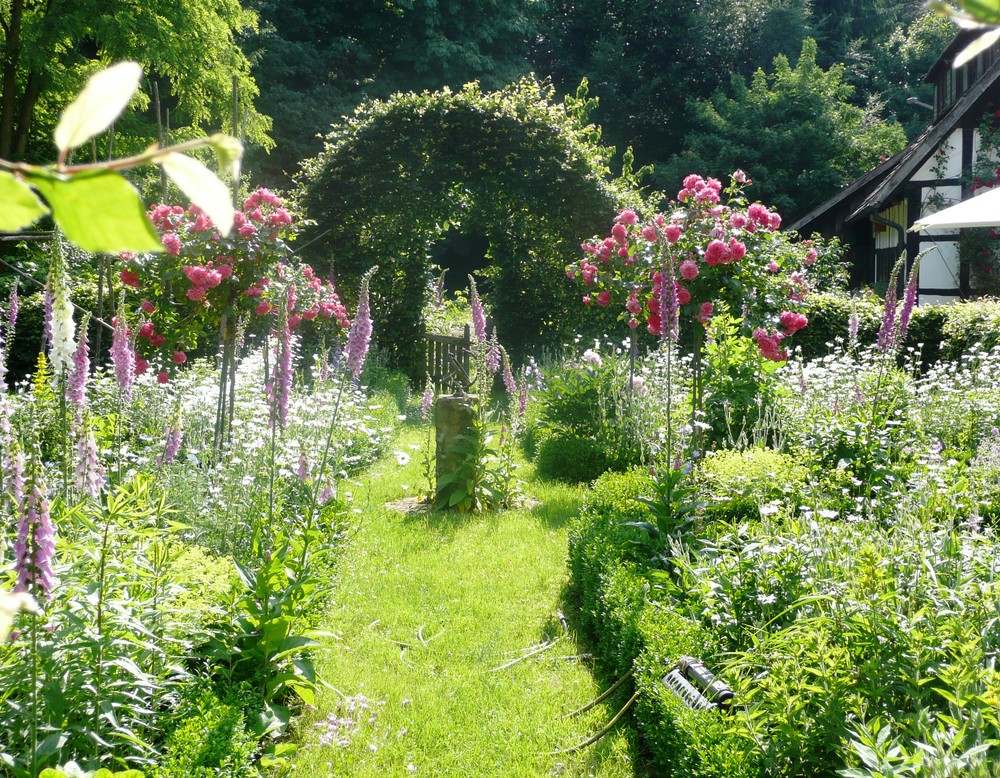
pixel 980 211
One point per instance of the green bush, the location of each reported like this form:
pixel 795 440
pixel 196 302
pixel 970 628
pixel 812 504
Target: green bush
pixel 208 739
pixel 734 484
pixel 599 541
pixel 587 420
pixel 829 316
pixel 562 457
pixel 630 629
pixel 682 742
pixel 967 324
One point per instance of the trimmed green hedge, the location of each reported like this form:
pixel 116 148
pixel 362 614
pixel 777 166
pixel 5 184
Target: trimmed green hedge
pixel 630 629
pixel 946 331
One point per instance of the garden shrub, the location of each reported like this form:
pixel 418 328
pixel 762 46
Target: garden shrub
pixel 208 738
pixel 562 457
pixel 734 484
pixel 969 327
pixel 682 742
pixel 631 629
pixel 738 386
pixel 588 420
pixel 829 315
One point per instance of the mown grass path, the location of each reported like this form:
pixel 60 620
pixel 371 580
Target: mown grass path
pixel 426 608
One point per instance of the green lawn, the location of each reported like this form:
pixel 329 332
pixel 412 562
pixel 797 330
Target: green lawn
pixel 426 608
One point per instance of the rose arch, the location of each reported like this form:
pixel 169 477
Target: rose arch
pixel 512 165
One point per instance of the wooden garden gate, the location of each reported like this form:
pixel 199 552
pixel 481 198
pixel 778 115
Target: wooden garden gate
pixel 448 361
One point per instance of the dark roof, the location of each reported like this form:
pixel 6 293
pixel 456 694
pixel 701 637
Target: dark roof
pixel 855 186
pixel 958 43
pixel 897 171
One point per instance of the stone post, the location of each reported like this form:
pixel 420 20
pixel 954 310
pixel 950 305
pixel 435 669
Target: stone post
pixel 455 415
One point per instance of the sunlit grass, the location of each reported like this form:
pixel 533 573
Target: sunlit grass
pixel 426 608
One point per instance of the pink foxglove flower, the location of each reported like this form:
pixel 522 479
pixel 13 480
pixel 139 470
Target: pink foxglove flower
pixel 887 333
pixel 360 335
pixel 12 309
pixel 508 374
pixel 669 303
pixel 123 357
pixel 34 549
pixel 76 382
pixel 173 435
pixel 328 493
pixel 909 300
pixel 89 474
pixel 280 387
pixel 13 472
pixel 303 471
pixel 478 315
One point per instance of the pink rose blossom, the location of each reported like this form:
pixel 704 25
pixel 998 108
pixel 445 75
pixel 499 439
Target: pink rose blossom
pixel 689 270
pixel 627 216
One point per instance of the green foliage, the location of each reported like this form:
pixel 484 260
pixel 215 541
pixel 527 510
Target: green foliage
pixel 794 131
pixel 208 738
pixel 265 641
pixel 599 538
pixel 588 420
pixel 735 484
pixel 191 47
pixel 370 51
pixel 645 59
pixel 738 386
pixel 967 324
pixel 526 171
pixel 565 457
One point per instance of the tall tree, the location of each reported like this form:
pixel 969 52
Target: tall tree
pixel 316 61
pixel 645 58
pixel 49 47
pixel 794 131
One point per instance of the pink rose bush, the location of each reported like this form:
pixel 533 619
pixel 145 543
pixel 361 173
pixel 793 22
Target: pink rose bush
pixel 711 251
pixel 202 277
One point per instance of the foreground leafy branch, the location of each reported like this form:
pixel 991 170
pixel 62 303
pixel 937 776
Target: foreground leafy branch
pixel 93 204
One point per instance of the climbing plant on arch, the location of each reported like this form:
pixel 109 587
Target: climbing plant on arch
pixel 528 172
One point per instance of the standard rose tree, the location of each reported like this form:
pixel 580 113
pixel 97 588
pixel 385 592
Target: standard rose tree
pixel 708 251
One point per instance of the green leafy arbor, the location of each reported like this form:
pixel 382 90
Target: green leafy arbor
pixel 528 173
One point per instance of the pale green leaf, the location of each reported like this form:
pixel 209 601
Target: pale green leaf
pixel 979 45
pixel 10 606
pixel 203 187
pixel 99 212
pixel 19 206
pixel 987 11
pixel 229 150
pixel 98 105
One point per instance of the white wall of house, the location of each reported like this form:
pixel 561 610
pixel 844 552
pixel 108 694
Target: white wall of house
pixel 952 167
pixel 939 265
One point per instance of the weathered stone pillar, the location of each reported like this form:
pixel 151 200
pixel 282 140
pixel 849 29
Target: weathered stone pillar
pixel 455 415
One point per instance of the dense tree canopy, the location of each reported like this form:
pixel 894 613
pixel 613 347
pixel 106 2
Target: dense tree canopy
pixel 793 131
pixel 316 61
pixel 47 50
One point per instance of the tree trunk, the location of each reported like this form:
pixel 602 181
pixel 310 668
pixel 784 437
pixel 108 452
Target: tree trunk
pixel 8 79
pixel 26 113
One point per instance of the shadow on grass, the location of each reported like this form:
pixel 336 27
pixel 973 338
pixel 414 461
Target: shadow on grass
pixel 558 508
pixel 446 523
pixel 605 748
